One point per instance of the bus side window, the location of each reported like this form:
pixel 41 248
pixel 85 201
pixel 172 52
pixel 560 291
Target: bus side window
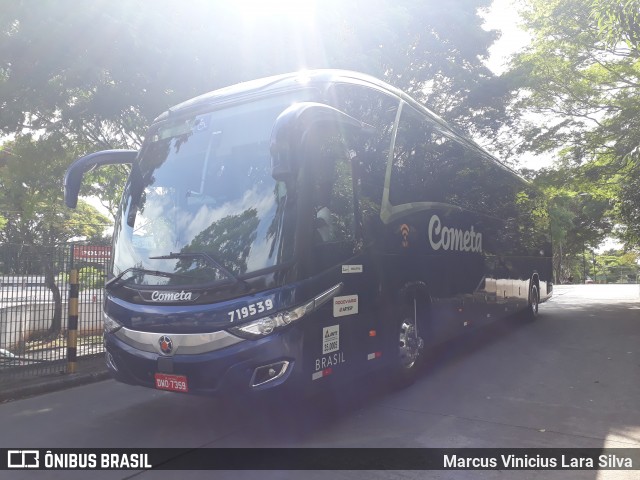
pixel 432 164
pixel 426 161
pixel 369 153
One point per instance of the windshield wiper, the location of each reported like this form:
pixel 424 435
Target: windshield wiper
pixel 207 257
pixel 117 279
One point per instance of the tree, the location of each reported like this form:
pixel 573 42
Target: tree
pixel 74 68
pixel 615 266
pixel 432 50
pixel 106 184
pixel 36 219
pixel 104 69
pixel 619 22
pixel 580 219
pixel 578 98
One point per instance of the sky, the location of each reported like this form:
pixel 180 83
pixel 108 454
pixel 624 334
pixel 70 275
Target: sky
pixel 503 16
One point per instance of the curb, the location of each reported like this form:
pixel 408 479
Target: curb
pixel 52 383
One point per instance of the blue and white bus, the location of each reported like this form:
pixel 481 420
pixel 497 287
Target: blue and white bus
pixel 306 228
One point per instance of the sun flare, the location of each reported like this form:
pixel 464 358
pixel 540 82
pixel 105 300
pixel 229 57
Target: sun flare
pixel 296 10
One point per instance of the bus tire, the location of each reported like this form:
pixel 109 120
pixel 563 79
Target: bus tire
pixel 409 346
pixel 534 301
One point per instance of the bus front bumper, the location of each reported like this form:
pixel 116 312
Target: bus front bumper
pixel 241 368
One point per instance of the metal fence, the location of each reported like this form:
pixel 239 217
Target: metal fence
pixel 34 291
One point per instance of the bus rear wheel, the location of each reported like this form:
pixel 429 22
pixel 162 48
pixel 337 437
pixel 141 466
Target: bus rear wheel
pixel 534 300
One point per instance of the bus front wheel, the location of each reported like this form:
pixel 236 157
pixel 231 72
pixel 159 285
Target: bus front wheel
pixel 410 343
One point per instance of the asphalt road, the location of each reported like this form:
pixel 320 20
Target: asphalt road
pixel 569 379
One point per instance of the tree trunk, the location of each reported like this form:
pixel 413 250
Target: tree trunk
pixel 50 282
pixel 557 263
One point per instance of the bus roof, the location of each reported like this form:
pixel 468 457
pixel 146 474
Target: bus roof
pixel 284 82
pixel 296 80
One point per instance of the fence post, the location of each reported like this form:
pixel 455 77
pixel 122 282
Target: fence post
pixel 72 330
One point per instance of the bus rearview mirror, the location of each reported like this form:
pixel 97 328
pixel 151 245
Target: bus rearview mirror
pixel 74 174
pixel 289 131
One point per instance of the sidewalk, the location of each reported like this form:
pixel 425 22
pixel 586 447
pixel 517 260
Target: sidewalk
pixel 89 370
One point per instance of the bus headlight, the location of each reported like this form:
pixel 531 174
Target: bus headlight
pixel 267 325
pixel 110 325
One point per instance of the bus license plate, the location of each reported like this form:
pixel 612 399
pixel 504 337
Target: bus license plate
pixel 173 383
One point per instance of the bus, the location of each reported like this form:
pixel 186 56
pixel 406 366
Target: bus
pixel 308 228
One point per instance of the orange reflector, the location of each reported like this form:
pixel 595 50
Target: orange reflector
pixel 372 333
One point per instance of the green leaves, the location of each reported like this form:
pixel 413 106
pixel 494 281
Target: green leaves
pixel 579 93
pixel 31 196
pixel 618 21
pixel 100 71
pixel 83 76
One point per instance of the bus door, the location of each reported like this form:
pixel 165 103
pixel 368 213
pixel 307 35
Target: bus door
pixel 342 337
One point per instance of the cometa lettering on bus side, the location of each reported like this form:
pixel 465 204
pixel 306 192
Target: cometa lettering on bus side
pixel 449 238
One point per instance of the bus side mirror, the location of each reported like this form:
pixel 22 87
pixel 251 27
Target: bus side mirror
pixel 289 131
pixel 74 174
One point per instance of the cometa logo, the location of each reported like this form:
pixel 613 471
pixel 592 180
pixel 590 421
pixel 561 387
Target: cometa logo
pixel 453 238
pixel 182 296
pixel 404 231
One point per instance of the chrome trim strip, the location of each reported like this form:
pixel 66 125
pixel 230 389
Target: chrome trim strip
pixel 324 297
pixel 183 343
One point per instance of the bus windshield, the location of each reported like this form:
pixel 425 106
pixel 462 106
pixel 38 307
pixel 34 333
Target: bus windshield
pixel 200 206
